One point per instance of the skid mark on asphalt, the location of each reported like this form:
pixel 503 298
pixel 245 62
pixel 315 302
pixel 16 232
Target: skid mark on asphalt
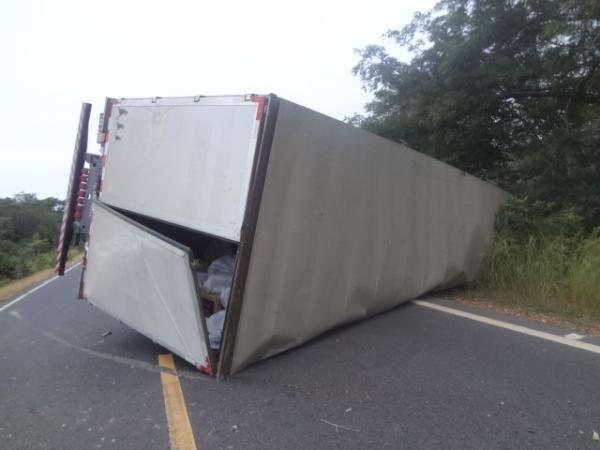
pixel 132 363
pixel 570 342
pixel 180 428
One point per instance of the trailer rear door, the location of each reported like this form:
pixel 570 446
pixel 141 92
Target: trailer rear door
pixel 145 280
pixel 187 161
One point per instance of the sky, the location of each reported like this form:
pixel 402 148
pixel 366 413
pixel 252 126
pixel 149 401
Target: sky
pixel 57 54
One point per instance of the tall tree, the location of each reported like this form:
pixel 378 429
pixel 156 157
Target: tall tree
pixel 506 89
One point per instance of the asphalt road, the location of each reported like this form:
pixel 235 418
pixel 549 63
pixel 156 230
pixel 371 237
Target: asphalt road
pixel 410 378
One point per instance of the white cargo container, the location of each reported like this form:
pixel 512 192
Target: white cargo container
pixel 328 223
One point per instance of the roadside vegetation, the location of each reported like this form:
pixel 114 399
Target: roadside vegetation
pixel 544 261
pixel 28 235
pixel 508 91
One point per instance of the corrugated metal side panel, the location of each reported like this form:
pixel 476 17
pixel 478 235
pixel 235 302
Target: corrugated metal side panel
pixel 181 161
pixel 351 224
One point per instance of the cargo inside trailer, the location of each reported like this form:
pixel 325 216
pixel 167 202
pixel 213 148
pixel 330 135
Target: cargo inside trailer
pixel 213 266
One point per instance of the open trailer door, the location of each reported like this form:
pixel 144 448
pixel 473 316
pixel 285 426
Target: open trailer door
pixel 146 281
pixel 73 199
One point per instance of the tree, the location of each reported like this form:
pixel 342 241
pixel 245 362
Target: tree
pixel 508 90
pixel 28 233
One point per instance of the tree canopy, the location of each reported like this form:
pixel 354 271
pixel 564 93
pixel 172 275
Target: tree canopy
pixel 508 90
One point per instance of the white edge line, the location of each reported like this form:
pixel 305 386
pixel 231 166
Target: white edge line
pixel 575 336
pixel 513 327
pixel 39 286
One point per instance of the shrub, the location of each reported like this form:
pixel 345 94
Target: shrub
pixel 543 258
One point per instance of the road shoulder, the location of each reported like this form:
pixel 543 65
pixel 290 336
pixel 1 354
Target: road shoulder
pixel 22 286
pixel 516 317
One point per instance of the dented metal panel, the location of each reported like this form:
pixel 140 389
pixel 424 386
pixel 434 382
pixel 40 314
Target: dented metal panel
pixel 145 280
pixel 351 224
pixel 185 160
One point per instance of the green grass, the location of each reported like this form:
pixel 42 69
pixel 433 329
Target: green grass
pixel 555 275
pixel 41 269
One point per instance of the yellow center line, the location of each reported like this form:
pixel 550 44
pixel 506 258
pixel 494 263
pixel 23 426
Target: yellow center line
pixel 180 428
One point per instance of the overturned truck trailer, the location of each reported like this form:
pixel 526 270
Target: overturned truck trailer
pixel 324 223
